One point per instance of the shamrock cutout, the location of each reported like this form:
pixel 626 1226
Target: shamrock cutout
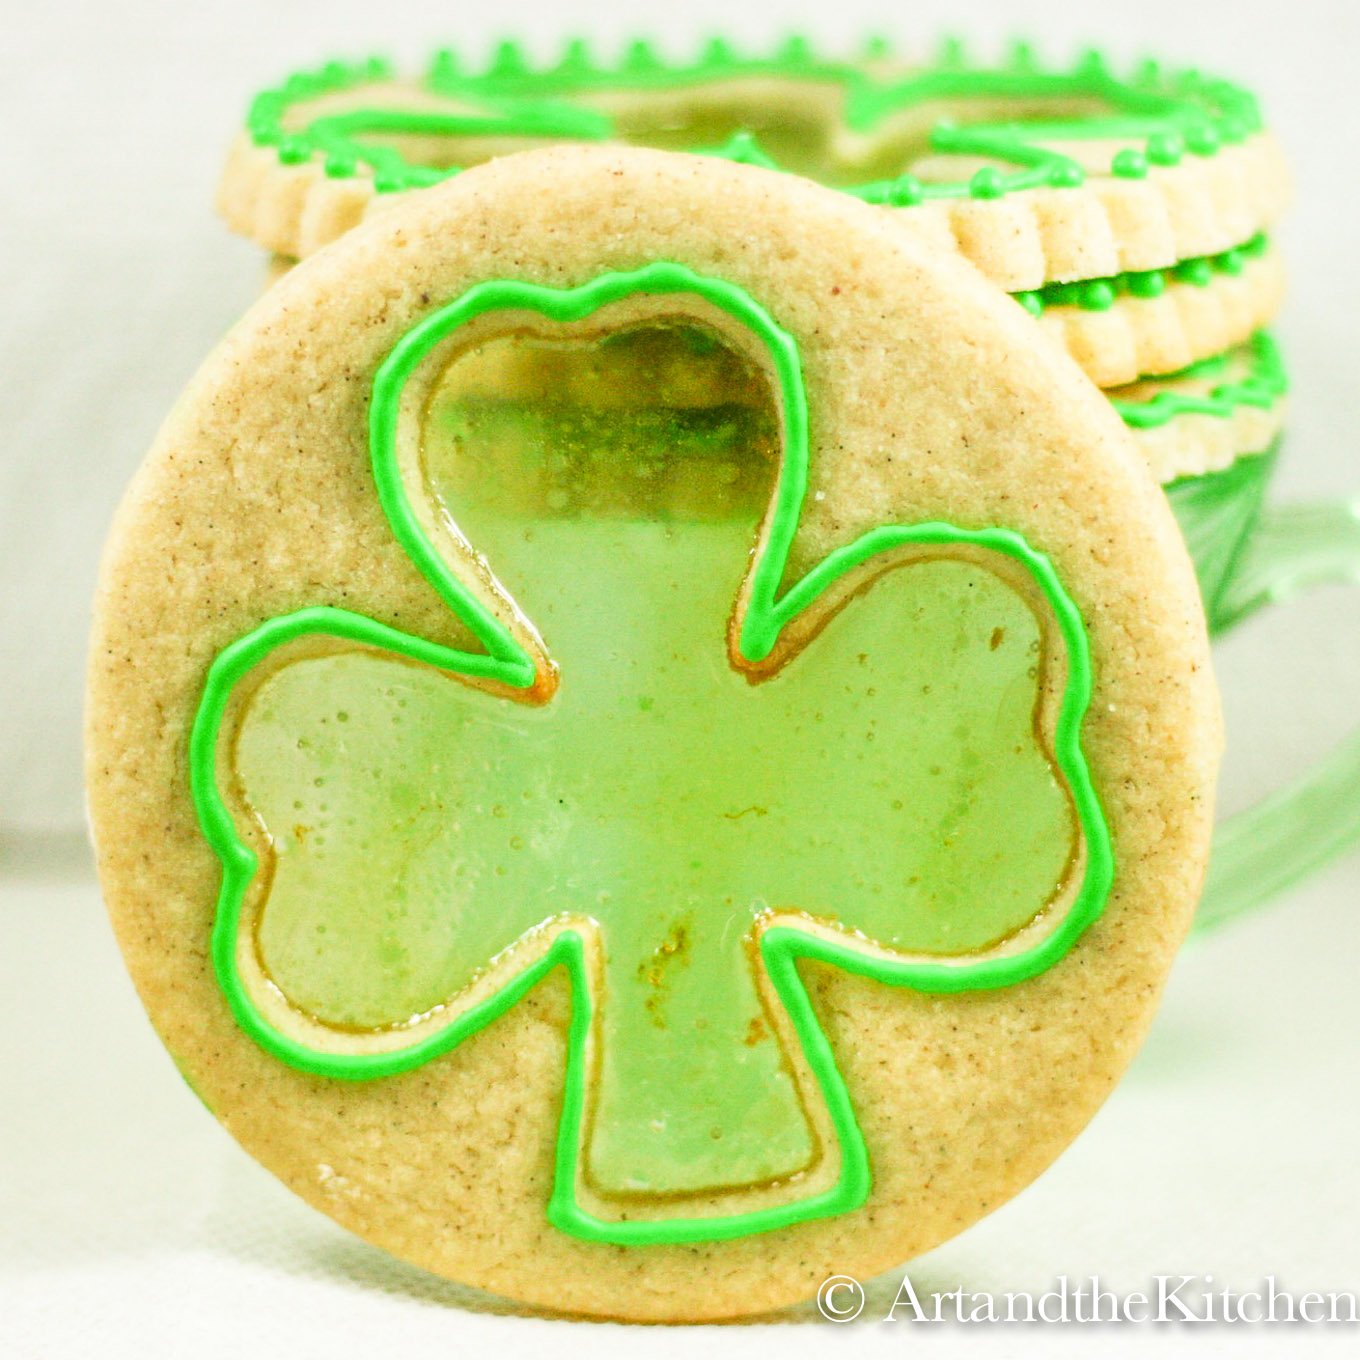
pixel 678 825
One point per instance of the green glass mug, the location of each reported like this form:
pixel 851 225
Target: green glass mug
pixel 1248 555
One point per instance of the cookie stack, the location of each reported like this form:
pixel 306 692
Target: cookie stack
pixel 1130 214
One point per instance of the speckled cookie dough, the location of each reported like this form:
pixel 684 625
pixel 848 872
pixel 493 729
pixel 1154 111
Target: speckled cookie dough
pixel 1191 318
pixel 1204 419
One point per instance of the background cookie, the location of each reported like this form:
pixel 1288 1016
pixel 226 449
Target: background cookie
pixel 1181 169
pixel 1137 231
pixel 1131 327
pixel 1204 419
pixel 928 400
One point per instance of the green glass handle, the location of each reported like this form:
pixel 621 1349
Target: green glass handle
pixel 1294 831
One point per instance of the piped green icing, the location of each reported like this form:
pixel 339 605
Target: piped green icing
pixel 770 609
pixel 1098 295
pixel 1169 114
pixel 1264 383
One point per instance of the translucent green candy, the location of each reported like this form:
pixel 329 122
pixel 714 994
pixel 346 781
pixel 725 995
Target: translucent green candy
pixel 888 778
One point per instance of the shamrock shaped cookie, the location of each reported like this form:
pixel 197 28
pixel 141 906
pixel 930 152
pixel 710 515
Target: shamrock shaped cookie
pixel 639 762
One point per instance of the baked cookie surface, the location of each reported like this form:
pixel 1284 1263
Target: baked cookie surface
pixel 1160 322
pixel 874 602
pixel 1211 414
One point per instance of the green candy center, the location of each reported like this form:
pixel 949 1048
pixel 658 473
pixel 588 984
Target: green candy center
pixel 889 778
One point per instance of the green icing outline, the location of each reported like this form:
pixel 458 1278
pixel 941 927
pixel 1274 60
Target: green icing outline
pixel 1099 295
pixel 1171 112
pixel 1265 383
pixel 782 947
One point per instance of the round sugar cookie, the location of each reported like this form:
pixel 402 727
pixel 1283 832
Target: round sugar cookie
pixel 642 857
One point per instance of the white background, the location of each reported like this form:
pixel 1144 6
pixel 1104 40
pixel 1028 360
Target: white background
pixel 128 1221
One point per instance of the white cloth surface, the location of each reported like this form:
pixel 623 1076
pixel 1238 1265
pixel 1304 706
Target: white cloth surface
pixel 130 1224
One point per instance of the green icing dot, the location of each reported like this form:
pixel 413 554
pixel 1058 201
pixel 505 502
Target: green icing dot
pixel 987 183
pixel 507 59
pixel 294 150
pixel 905 191
pixel 1130 164
pixel 1199 272
pixel 953 51
pixel 1165 148
pixel 1147 283
pixel 1203 141
pixel 719 52
pixel 640 56
pixel 1096 295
